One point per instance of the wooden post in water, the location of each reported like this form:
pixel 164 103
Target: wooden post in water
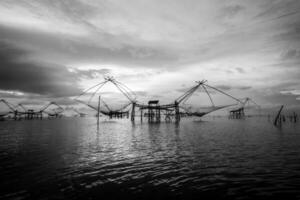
pixel 278 115
pixel 295 117
pixel 98 112
pixel 15 114
pixel 177 113
pixel 133 112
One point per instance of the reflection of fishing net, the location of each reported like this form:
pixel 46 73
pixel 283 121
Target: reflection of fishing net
pixel 118 101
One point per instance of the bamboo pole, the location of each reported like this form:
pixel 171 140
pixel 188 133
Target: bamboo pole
pixel 133 112
pixel 98 112
pixel 278 115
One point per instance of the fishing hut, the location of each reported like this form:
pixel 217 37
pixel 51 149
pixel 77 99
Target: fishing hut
pixel 118 114
pixel 153 111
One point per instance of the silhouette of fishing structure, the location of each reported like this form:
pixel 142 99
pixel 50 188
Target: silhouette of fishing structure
pixel 106 109
pixel 239 112
pixel 52 113
pixel 21 112
pixel 152 110
pixel 281 118
pixel 173 109
pixel 11 109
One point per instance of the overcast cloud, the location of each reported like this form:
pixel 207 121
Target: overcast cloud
pixel 54 48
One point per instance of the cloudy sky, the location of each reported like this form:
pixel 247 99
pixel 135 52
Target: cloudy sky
pixel 53 49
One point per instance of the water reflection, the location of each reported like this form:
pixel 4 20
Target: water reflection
pixel 72 158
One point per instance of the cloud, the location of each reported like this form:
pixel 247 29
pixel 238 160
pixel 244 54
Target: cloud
pixel 227 87
pixel 231 10
pixel 91 73
pixel 290 54
pixel 240 70
pixel 103 48
pixel 224 87
pixel 244 87
pixel 277 9
pixel 290 92
pixel 277 98
pixel 181 39
pixel 19 74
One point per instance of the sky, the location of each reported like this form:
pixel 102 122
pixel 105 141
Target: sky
pixel 51 50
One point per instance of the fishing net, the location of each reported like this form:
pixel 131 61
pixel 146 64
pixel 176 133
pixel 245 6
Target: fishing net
pixel 52 109
pixel 114 97
pixel 5 108
pixel 204 94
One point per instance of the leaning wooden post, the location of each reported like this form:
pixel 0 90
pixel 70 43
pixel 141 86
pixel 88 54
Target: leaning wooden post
pixel 278 115
pixel 98 111
pixel 133 111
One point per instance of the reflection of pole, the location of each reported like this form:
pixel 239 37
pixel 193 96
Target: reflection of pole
pixel 278 114
pixel 98 112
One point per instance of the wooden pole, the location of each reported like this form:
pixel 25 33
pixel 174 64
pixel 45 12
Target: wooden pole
pixel 15 114
pixel 133 112
pixel 98 112
pixel 177 113
pixel 278 115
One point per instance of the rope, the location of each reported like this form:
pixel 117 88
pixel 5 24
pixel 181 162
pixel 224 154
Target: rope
pixel 85 91
pixel 223 93
pixel 187 94
pixel 90 99
pixel 208 95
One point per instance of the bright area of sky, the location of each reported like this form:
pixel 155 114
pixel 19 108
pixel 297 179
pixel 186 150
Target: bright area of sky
pixel 52 49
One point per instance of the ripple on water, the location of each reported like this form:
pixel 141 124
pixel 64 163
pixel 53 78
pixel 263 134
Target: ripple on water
pixel 69 158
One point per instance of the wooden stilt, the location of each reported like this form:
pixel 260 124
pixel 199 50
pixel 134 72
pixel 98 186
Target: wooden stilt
pixel 177 113
pixel 98 112
pixel 133 112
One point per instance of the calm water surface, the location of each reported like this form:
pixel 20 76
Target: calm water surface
pixel 226 159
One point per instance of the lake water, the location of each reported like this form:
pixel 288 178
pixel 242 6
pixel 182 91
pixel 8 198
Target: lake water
pixel 215 158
